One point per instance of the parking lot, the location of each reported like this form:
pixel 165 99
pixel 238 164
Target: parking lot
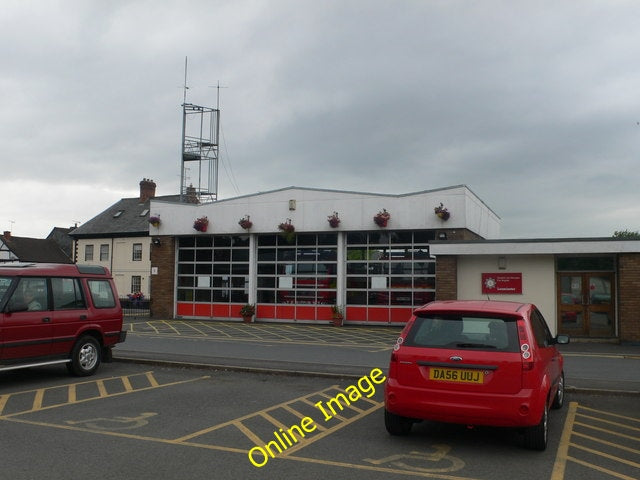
pixel 133 421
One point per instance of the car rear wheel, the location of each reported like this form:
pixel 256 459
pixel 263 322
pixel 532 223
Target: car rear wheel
pixel 558 400
pixel 396 424
pixel 85 357
pixel 535 437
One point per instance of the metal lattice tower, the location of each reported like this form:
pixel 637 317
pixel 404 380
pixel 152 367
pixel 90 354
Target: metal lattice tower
pixel 199 172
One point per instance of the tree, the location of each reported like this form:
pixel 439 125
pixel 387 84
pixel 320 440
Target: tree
pixel 626 235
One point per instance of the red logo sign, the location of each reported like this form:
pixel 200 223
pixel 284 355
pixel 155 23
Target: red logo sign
pixel 502 283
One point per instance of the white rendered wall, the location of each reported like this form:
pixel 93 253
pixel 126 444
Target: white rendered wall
pixel 538 281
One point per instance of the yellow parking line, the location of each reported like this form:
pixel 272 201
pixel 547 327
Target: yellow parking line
pixel 3 402
pixel 563 449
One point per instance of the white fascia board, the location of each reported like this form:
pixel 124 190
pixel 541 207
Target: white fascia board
pixel 572 247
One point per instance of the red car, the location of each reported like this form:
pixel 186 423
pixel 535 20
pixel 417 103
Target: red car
pixel 476 363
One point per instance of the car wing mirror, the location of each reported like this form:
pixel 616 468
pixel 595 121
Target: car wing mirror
pixel 562 339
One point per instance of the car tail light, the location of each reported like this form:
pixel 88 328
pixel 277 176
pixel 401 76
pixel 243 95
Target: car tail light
pixel 525 348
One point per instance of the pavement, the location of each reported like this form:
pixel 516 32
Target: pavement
pixel 348 351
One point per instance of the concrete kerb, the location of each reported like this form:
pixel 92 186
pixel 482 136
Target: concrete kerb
pixel 235 368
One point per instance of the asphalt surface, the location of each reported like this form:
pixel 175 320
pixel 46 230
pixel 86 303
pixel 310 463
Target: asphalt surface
pixel 324 350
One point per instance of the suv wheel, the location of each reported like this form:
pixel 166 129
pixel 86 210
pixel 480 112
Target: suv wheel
pixel 535 437
pixel 85 357
pixel 397 425
pixel 558 400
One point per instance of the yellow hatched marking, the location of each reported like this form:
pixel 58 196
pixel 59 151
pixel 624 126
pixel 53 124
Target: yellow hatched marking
pixel 126 383
pixel 249 433
pixel 602 469
pixel 102 390
pixel 609 444
pixel 250 415
pixel 611 432
pixel 3 402
pixel 606 455
pixel 72 394
pixel 288 408
pixel 315 438
pixel 37 399
pixel 609 422
pixel 152 379
pixel 610 414
pixel 273 421
pixel 168 324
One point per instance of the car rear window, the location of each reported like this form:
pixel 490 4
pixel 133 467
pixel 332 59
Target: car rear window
pixel 475 332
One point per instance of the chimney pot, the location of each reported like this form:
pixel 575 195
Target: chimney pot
pixel 147 189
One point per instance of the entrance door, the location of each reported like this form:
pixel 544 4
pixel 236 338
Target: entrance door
pixel 586 304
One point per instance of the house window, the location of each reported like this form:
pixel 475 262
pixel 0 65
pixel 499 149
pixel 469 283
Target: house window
pixel 136 283
pixel 88 253
pixel 104 253
pixel 137 252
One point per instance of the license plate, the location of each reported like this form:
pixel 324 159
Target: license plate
pixel 456 375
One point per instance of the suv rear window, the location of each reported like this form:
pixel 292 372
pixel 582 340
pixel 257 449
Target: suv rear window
pixel 461 331
pixel 101 293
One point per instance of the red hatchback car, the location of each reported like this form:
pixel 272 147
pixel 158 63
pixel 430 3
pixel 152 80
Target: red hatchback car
pixel 476 363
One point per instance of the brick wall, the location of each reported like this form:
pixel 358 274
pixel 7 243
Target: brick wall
pixel 162 287
pixel 629 297
pixel 446 278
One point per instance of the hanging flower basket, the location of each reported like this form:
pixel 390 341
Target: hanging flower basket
pixel 442 212
pixel 245 222
pixel 155 221
pixel 334 220
pixel 287 227
pixel 382 218
pixel 288 230
pixel 201 224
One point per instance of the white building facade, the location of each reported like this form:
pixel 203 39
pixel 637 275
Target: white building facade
pixel 373 272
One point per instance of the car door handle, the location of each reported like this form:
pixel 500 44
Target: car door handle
pixel 83 317
pixel 46 320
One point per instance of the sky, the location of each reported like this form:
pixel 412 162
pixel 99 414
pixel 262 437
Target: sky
pixel 535 106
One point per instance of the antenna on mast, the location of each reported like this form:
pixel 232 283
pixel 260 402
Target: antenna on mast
pixel 184 99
